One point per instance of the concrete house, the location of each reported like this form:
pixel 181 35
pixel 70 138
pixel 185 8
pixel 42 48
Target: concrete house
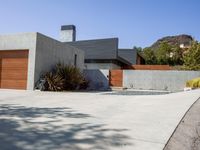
pixel 25 57
pixel 101 53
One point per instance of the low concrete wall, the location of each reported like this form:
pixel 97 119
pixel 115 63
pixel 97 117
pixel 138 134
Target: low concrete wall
pixel 99 79
pixel 157 80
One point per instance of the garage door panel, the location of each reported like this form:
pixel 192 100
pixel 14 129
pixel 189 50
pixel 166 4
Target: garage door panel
pixel 13 84
pixel 14 74
pixel 14 63
pixel 14 54
pixel 13 69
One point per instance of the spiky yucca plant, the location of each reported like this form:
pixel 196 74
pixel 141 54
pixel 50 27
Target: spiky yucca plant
pixel 71 75
pixel 54 82
pixel 64 77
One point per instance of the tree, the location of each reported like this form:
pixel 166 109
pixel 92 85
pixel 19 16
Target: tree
pixel 191 57
pixel 163 53
pixel 149 56
pixel 176 57
pixel 138 49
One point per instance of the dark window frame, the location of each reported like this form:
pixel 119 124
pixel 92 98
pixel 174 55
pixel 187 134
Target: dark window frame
pixel 75 60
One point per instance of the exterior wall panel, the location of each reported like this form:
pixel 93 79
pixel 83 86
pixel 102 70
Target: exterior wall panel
pixel 49 52
pixel 98 49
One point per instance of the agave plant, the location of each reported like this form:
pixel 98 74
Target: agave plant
pixel 71 75
pixel 84 85
pixel 64 77
pixel 54 82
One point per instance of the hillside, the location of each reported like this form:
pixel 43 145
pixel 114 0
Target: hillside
pixel 173 40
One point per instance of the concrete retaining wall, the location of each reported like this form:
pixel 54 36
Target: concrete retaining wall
pixel 157 80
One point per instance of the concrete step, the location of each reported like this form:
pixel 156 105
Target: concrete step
pixel 117 88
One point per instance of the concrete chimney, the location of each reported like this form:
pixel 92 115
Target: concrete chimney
pixel 68 33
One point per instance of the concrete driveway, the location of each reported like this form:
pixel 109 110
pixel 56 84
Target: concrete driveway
pixel 89 121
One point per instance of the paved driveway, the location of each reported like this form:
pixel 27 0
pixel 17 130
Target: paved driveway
pixel 89 121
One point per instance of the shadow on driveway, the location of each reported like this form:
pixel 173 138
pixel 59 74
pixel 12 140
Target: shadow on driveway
pixel 31 128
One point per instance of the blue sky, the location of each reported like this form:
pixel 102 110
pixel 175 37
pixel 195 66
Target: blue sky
pixel 135 22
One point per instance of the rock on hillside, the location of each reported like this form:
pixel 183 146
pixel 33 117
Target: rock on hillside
pixel 174 40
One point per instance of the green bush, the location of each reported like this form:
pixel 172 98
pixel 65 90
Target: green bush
pixel 191 67
pixel 194 83
pixel 191 57
pixel 62 78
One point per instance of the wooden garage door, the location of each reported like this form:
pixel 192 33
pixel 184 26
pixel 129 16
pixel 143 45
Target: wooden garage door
pixel 13 69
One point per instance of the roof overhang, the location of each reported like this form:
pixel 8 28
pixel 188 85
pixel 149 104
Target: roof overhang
pixel 123 61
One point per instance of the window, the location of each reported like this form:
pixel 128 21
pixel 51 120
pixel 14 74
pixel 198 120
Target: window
pixel 75 60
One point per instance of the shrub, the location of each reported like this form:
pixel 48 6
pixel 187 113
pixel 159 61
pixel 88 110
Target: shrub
pixel 194 83
pixel 54 82
pixel 191 67
pixel 71 75
pixel 63 77
pixel 84 85
pixel 192 57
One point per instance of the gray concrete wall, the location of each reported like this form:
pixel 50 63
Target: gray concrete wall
pixel 101 66
pixel 23 41
pixel 49 52
pixel 99 79
pixel 157 80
